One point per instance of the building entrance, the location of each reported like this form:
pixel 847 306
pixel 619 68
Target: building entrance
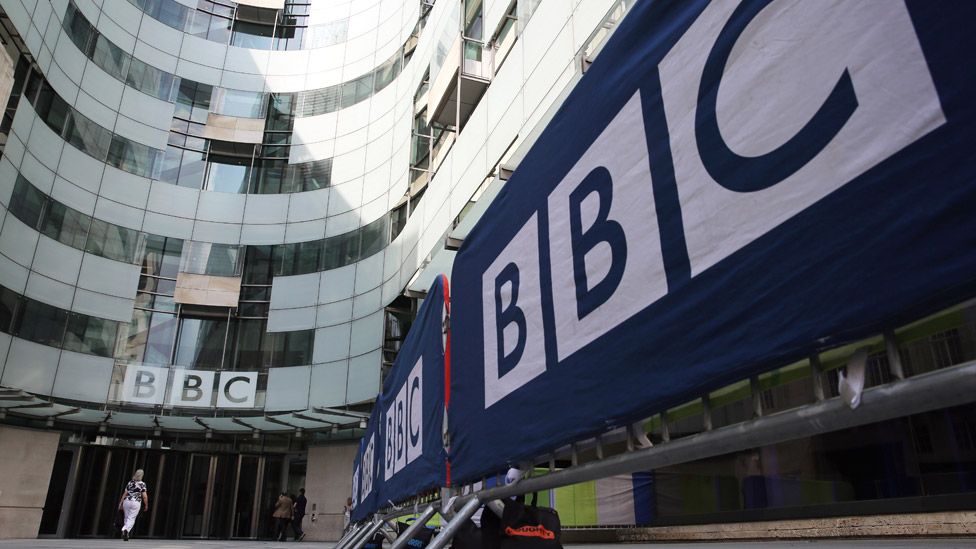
pixel 191 494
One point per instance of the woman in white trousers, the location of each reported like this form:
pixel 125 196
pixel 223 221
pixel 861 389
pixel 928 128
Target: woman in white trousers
pixel 134 497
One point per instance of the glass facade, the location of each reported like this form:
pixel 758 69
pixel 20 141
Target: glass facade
pixel 39 322
pixel 118 243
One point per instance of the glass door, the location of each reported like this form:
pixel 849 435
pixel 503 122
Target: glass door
pixel 246 499
pixel 196 497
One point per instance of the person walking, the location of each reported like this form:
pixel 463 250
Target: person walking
pixel 299 513
pixel 282 515
pixel 135 496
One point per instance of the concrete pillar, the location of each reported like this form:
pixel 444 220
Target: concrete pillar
pixel 26 462
pixel 328 482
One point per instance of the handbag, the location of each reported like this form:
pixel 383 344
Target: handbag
pixel 529 526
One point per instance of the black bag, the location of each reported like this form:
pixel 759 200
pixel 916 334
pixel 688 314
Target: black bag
pixel 529 526
pixel 421 539
pixel 469 536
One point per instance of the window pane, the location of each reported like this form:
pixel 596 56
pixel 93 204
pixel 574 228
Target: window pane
pixel 110 58
pixel 314 175
pixel 87 334
pixel 171 13
pixel 162 256
pixel 77 28
pixel 253 350
pixel 27 203
pixel 228 174
pixel 8 308
pixel 374 237
pixel 257 265
pixel 150 337
pixel 57 113
pixel 150 80
pixel 112 241
pixel 66 225
pixel 193 167
pixel 252 35
pixel 211 259
pixel 134 157
pixel 201 342
pixel 88 136
pixel 297 348
pixel 41 323
pixel 239 103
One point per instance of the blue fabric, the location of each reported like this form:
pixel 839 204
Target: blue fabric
pixel 408 418
pixel 893 243
pixel 645 504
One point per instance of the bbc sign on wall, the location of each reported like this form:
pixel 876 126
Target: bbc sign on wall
pixel 187 388
pixel 730 186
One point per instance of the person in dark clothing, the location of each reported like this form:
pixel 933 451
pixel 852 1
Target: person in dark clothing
pixel 296 521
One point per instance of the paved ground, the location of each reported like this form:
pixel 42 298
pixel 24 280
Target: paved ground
pixel 187 544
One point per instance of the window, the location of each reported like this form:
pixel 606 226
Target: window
pixel 110 57
pixel 374 237
pixel 27 203
pixel 207 258
pixel 193 101
pixel 9 304
pixel 214 26
pixel 291 28
pixel 386 72
pixel 398 220
pixel 88 136
pixel 356 90
pixel 201 342
pixel 66 225
pixel 228 174
pixel 258 267
pixel 253 35
pixel 341 250
pixel 161 256
pixel 112 241
pixel 134 157
pixel 243 104
pixel 77 28
pixel 296 348
pixel 41 323
pixel 86 334
pixel 150 80
pixel 320 101
pixel 254 345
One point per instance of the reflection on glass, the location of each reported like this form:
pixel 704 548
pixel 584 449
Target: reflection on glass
pixel 228 174
pixel 150 338
pixel 252 35
pixel 41 323
pixel 211 259
pixel 201 342
pixel 86 334
pixel 239 103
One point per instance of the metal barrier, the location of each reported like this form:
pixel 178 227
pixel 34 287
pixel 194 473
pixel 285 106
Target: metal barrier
pixel 934 390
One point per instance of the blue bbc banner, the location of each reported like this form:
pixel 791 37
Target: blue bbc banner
pixel 365 499
pixel 730 187
pixel 408 418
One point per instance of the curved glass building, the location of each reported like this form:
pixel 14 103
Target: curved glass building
pixel 216 217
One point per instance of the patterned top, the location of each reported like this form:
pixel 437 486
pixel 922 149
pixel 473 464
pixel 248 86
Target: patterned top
pixel 134 490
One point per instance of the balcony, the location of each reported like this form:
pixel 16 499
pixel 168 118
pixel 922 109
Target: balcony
pixel 460 82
